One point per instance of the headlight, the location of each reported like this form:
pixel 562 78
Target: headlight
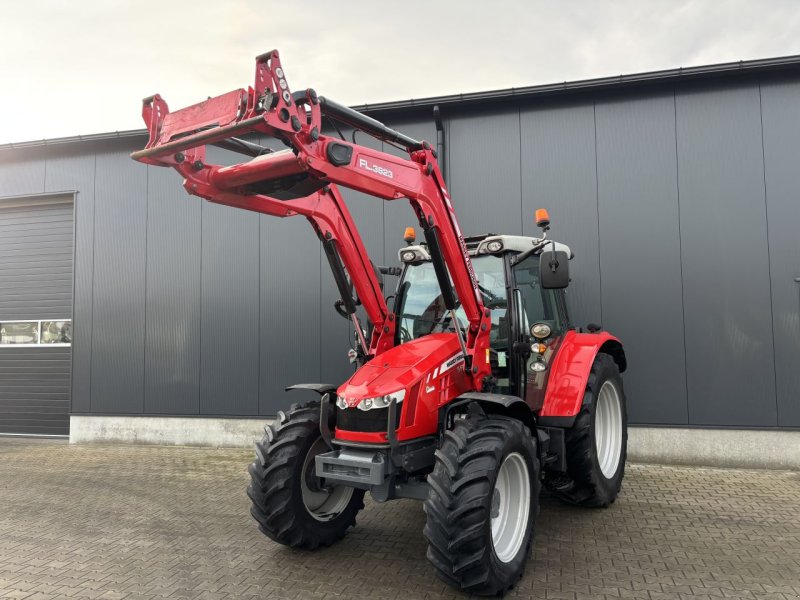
pixel 494 246
pixel 540 331
pixel 341 402
pixel 381 401
pixel 538 366
pixel 408 256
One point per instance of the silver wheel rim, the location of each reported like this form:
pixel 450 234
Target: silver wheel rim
pixel 511 507
pixel 608 429
pixel 322 504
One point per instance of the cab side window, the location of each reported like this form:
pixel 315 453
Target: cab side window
pixel 538 305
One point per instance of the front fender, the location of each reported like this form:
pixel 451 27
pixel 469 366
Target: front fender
pixel 510 406
pixel 569 370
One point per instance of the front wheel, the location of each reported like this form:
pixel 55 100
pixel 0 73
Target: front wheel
pixel 291 504
pixel 482 505
pixel 597 443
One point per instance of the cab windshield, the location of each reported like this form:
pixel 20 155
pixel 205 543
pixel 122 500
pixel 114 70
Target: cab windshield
pixel 421 309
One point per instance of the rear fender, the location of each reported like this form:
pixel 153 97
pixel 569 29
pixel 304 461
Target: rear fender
pixel 569 372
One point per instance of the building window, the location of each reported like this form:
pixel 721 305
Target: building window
pixel 56 332
pixel 36 333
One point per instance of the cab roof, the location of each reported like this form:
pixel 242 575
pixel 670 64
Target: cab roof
pixel 478 245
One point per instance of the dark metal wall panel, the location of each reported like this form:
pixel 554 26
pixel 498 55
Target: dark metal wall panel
pixel 484 170
pixel 21 172
pixel 289 308
pixel 559 173
pixel 229 362
pixel 726 285
pixel 336 333
pixel 173 334
pixel 398 214
pixel 367 212
pixel 290 311
pixel 36 259
pixel 74 169
pixel 640 256
pixel 120 239
pixel 780 102
pixel 34 390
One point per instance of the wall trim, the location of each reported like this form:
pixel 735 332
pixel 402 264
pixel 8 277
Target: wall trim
pixel 742 448
pixel 167 431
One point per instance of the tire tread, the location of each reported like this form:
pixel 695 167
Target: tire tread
pixel 458 506
pixel 279 455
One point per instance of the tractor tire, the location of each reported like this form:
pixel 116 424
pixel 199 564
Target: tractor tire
pixel 289 502
pixel 482 504
pixel 596 444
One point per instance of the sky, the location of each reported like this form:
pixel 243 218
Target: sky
pixel 82 67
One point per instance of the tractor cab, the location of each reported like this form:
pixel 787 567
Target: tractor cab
pixel 507 268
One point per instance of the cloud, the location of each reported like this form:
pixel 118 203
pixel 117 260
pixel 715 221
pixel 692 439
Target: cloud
pixel 82 67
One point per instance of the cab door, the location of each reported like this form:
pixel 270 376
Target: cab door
pixel 532 304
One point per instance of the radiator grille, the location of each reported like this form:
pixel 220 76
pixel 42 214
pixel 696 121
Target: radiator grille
pixel 370 421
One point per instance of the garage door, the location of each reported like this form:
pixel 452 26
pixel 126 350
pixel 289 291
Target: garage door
pixel 35 312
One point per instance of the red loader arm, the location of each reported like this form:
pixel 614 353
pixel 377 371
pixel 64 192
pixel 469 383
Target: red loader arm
pixel 302 181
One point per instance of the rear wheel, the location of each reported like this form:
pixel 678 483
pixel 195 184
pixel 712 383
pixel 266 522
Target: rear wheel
pixel 597 442
pixel 482 505
pixel 291 504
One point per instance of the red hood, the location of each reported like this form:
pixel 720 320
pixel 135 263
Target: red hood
pixel 401 367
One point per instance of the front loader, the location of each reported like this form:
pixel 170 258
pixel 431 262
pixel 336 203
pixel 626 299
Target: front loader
pixel 471 392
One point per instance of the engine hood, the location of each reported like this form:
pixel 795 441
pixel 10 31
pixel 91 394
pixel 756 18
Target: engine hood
pixel 401 367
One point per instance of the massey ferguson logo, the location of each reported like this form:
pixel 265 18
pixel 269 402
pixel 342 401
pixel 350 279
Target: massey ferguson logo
pixel 362 162
pixel 451 363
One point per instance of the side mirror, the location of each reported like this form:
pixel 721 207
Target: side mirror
pixel 378 275
pixel 554 269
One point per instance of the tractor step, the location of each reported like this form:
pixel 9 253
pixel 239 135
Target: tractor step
pixel 553 450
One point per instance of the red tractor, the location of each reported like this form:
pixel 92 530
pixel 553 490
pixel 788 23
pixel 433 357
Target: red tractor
pixel 471 391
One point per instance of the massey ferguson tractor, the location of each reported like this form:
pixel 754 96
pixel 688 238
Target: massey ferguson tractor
pixel 471 391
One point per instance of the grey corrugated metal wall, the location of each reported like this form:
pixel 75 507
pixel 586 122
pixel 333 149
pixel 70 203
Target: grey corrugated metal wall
pixel 35 284
pixel 680 203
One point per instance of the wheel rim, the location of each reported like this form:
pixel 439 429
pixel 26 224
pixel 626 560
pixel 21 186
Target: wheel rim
pixel 608 429
pixel 321 503
pixel 511 503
